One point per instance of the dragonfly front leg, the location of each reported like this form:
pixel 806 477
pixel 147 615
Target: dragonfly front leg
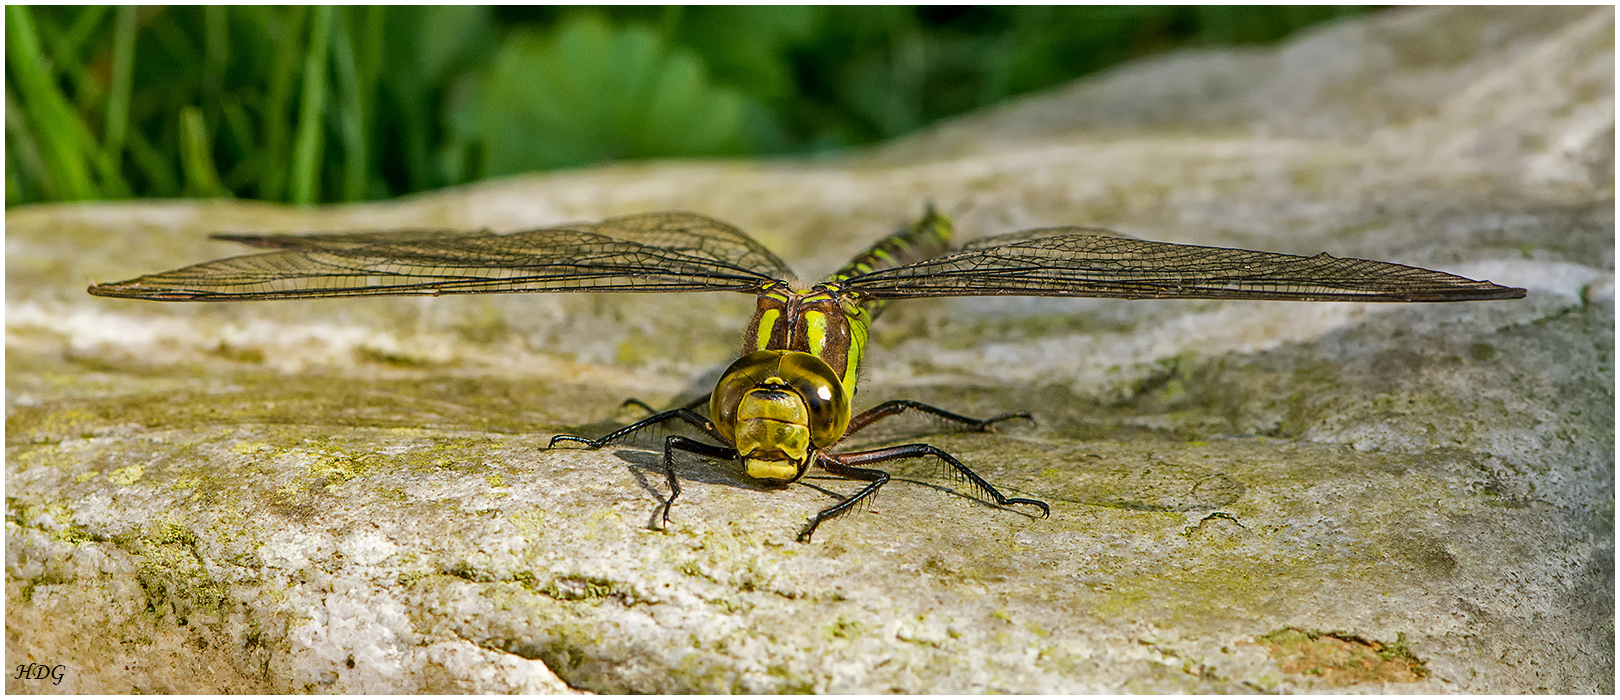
pixel 680 442
pixel 877 478
pixel 671 443
pixel 895 408
pixel 690 416
pixel 844 465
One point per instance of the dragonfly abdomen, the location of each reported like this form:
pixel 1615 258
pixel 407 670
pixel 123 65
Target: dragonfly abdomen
pixel 929 238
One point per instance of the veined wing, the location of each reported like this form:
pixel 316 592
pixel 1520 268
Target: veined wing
pixel 1079 262
pixel 671 251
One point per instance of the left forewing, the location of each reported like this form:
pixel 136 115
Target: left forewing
pixel 1077 262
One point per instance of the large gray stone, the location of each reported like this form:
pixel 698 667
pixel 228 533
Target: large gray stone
pixel 355 495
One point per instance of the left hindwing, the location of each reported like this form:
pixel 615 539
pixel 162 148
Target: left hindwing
pixel 1080 262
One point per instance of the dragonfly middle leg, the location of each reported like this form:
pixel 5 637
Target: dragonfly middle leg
pixel 895 408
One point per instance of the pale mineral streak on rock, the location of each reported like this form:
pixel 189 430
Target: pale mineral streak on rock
pixel 354 495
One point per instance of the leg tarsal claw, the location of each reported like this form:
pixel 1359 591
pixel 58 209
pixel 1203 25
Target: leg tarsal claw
pixel 989 424
pixel 589 443
pixel 638 403
pixel 1046 511
pixel 664 518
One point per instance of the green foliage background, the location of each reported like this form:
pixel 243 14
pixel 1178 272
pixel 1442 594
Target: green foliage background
pixel 327 104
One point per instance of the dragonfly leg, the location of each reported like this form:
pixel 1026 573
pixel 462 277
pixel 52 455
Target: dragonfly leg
pixel 876 478
pixel 895 408
pixel 638 403
pixel 686 444
pixel 689 416
pixel 889 454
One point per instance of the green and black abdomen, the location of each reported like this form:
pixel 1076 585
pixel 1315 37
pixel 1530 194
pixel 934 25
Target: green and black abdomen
pixel 929 237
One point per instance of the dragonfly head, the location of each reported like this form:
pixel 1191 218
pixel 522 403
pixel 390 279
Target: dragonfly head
pixel 777 407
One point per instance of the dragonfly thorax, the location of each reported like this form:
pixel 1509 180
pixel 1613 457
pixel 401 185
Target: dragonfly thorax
pixel 825 321
pixel 778 407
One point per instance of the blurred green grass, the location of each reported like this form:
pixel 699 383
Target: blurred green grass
pixel 333 104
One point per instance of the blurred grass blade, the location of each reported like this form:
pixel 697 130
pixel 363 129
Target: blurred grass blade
pixel 216 50
pixel 426 48
pixel 286 35
pixel 27 177
pixel 351 118
pixel 309 140
pixel 61 52
pixel 84 26
pixel 64 54
pixel 47 108
pixel 368 67
pixel 197 155
pixel 238 126
pixel 158 169
pixel 123 70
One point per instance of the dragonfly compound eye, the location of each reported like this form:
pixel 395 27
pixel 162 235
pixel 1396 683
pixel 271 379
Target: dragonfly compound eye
pixel 823 394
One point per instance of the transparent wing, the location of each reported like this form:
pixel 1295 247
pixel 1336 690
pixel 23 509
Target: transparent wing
pixel 672 251
pixel 1079 262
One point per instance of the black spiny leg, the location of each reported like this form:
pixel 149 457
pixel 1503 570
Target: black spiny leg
pixel 690 405
pixel 844 465
pixel 680 442
pixel 895 408
pixel 876 477
pixel 687 415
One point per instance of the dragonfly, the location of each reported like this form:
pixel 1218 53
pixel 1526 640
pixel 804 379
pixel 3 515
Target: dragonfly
pixel 785 405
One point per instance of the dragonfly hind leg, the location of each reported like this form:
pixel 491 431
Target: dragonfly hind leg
pixel 643 405
pixel 685 414
pixel 846 465
pixel 894 408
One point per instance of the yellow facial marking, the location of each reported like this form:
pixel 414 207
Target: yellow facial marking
pixel 773 427
pixel 773 470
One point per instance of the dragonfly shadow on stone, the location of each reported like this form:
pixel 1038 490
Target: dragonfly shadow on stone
pixel 967 494
pixel 648 464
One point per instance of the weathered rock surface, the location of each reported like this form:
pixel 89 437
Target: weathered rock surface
pixel 354 495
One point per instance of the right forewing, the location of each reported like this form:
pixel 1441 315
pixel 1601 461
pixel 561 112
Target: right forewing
pixel 672 251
